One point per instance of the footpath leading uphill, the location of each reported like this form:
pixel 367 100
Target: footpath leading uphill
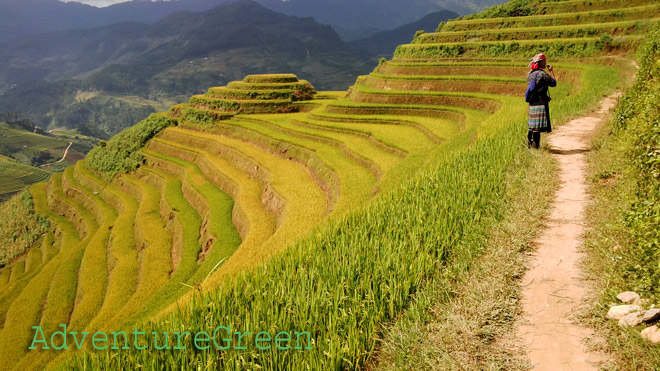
pixel 554 290
pixel 266 206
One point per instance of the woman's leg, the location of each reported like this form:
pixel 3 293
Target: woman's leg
pixel 530 138
pixel 537 138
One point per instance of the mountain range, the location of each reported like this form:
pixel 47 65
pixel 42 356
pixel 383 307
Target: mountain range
pixel 353 19
pixel 64 78
pixel 103 79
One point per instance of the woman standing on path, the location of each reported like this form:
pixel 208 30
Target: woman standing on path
pixel 537 96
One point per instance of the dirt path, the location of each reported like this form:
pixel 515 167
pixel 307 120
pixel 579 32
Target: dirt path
pixel 66 151
pixel 552 288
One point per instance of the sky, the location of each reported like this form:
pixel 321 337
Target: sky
pixel 97 3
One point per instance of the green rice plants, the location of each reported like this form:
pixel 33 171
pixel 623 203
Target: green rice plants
pixel 511 69
pixel 243 106
pixel 606 15
pixel 242 94
pixel 363 94
pixel 226 238
pixel 560 48
pixel 205 163
pixel 468 84
pixel 190 223
pixel 302 85
pixel 63 287
pixel 573 6
pixel 271 78
pixel 627 27
pixel 305 202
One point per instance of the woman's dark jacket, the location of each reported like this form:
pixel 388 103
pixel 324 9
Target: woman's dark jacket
pixel 543 82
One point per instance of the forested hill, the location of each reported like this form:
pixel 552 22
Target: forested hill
pixel 349 17
pixel 384 43
pixel 162 63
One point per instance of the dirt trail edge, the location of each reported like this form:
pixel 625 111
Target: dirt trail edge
pixel 552 290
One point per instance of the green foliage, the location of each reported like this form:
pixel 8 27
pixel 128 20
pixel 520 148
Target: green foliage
pixel 20 226
pixel 557 48
pixel 271 78
pixel 100 117
pixel 639 113
pixel 589 17
pixel 546 32
pixel 121 153
pixel 513 8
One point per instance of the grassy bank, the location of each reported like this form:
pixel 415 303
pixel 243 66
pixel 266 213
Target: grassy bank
pixel 623 239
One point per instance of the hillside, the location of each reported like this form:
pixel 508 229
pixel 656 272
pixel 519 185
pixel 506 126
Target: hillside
pixel 384 43
pixel 29 156
pixel 31 17
pixel 163 64
pixel 271 207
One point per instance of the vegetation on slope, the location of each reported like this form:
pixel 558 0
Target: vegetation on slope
pixel 121 153
pixel 623 239
pixel 20 226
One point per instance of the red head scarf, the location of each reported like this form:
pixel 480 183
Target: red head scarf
pixel 534 64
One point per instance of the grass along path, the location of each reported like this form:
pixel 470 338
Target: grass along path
pixel 553 289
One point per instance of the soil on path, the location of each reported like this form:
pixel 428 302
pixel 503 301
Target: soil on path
pixel 66 151
pixel 553 289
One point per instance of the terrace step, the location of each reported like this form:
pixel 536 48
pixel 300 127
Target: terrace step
pixel 583 17
pixel 512 69
pixel 243 94
pixel 216 220
pixel 357 175
pixel 225 176
pixel 93 271
pixel 243 106
pixel 10 291
pixel 620 28
pixel 48 298
pixel 324 177
pixel 185 223
pixel 465 84
pixel 393 120
pixel 362 94
pixel 122 264
pixel 572 6
pixel 563 47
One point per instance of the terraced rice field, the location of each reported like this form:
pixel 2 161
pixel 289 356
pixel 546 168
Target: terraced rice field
pixel 249 170
pixel 15 176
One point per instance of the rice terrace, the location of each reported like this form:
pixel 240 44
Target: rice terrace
pixel 267 225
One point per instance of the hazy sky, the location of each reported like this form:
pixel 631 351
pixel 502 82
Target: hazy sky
pixel 98 3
